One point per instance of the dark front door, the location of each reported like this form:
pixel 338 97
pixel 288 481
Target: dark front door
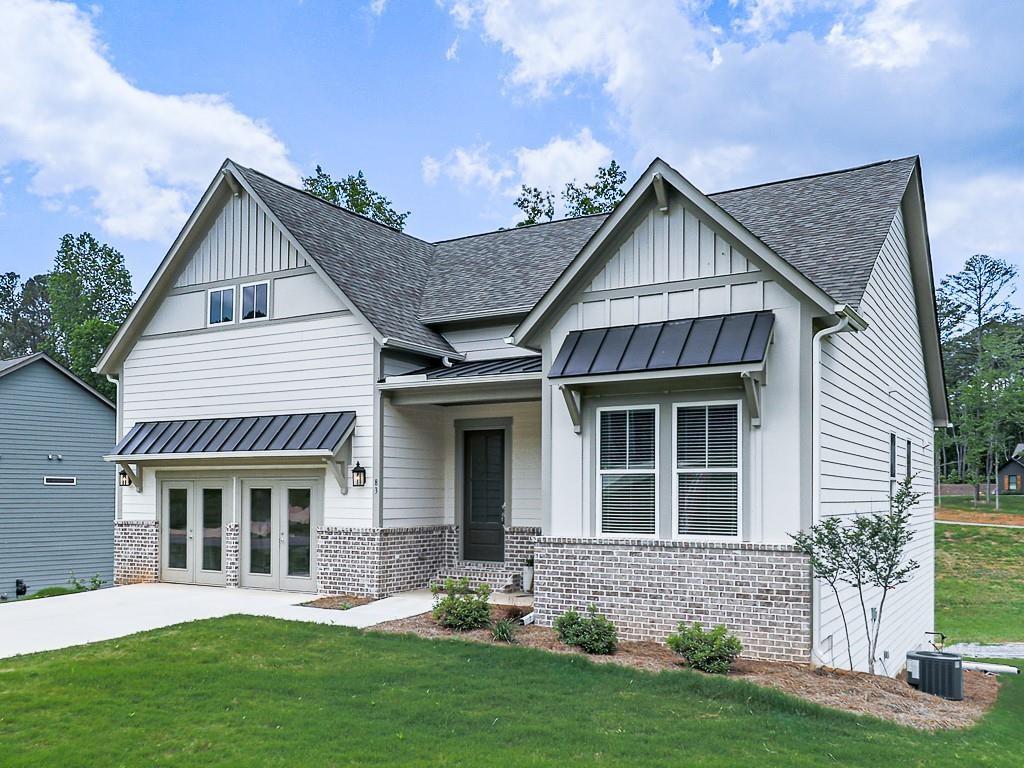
pixel 483 495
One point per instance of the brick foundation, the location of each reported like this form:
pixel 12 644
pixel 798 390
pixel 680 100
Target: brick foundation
pixel 761 592
pixel 136 551
pixel 232 554
pixel 519 545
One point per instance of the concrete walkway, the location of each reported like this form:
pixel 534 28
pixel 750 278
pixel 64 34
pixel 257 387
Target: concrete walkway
pixel 980 651
pixel 88 617
pixel 979 525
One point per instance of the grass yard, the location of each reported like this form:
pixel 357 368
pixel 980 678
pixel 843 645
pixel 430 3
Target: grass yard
pixel 1011 508
pixel 979 583
pixel 252 691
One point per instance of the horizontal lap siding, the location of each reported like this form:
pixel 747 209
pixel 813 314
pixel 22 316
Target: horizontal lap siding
pixel 316 364
pixel 874 383
pixel 413 465
pixel 48 531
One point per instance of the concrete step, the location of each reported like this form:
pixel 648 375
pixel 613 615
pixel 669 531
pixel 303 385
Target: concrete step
pixel 497 576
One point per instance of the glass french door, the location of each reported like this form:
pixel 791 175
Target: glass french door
pixel 278 531
pixel 194 513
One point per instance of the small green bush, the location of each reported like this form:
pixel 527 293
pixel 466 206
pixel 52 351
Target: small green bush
pixel 504 631
pixel 592 632
pixel 713 651
pixel 460 607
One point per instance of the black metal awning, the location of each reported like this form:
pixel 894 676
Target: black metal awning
pixel 472 368
pixel 297 433
pixel 717 340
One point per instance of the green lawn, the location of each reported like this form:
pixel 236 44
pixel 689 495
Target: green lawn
pixel 979 583
pixel 250 691
pixel 1010 505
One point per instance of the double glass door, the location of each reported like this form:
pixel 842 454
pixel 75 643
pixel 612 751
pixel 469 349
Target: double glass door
pixel 278 532
pixel 194 513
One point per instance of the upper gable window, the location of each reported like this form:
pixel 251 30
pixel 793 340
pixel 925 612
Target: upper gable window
pixel 221 306
pixel 255 301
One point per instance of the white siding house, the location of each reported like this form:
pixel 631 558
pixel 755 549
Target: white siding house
pixel 648 402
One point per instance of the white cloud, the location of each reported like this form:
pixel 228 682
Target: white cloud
pixel 452 54
pixel 377 7
pixel 140 158
pixel 891 36
pixel 561 160
pixel 468 167
pixel 976 214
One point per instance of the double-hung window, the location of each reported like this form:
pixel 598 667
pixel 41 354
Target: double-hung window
pixel 221 305
pixel 707 470
pixel 255 301
pixel 627 471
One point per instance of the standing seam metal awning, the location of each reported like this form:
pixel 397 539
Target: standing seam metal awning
pixel 701 342
pixel 299 432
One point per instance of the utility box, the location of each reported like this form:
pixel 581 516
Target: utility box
pixel 937 673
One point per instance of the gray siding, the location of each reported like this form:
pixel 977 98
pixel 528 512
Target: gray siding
pixel 48 531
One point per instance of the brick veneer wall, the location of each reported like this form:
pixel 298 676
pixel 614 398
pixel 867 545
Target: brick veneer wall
pixel 232 554
pixel 136 551
pixel 761 592
pixel 411 557
pixel 519 545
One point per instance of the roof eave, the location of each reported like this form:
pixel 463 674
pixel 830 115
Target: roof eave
pixel 45 358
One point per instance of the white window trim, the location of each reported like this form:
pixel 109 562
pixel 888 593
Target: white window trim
pixel 234 306
pixel 655 471
pixel 676 471
pixel 47 480
pixel 241 290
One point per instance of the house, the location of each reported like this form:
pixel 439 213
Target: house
pixel 1011 474
pixel 648 402
pixel 56 492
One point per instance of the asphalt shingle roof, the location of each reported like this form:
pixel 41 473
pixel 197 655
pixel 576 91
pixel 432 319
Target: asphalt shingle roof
pixel 831 227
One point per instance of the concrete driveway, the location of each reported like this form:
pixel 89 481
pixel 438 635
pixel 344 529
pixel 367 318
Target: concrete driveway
pixel 87 617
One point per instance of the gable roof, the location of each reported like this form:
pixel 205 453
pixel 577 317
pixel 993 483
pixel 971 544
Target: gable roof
pixel 502 272
pixel 17 363
pixel 381 270
pixel 830 226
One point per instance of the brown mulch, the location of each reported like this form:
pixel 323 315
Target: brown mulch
pixel 338 602
pixel 856 692
pixel 964 516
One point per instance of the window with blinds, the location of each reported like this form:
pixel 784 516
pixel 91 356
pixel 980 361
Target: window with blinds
pixel 707 470
pixel 627 474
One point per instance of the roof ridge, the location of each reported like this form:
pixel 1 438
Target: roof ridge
pixel 341 208
pixel 519 229
pixel 813 175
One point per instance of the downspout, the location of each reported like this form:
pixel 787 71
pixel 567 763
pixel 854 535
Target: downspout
pixel 117 430
pixel 819 337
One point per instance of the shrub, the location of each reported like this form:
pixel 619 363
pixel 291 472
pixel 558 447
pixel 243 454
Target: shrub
pixel 713 651
pixel 592 632
pixel 460 607
pixel 504 631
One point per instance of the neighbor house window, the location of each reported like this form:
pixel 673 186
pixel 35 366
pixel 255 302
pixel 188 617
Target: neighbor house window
pixel 627 476
pixel 255 300
pixel 222 305
pixel 1011 482
pixel 707 470
pixel 51 480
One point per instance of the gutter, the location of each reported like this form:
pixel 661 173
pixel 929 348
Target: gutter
pixel 849 321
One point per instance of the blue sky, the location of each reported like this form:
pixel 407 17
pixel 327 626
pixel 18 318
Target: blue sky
pixel 118 114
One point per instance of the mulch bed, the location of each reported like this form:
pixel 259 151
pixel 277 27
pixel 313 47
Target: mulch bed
pixel 338 602
pixel 992 518
pixel 856 692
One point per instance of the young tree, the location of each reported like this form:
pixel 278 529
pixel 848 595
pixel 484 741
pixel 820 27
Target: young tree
pixel 354 193
pixel 90 296
pixel 536 206
pixel 868 553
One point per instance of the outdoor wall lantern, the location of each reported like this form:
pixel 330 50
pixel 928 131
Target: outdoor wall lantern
pixel 358 476
pixel 123 480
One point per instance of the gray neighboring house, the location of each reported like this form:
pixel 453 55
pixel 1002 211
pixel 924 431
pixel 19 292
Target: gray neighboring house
pixel 56 492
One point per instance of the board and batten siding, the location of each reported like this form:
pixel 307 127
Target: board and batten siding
pixel 46 532
pixel 874 383
pixel 242 241
pixel 303 365
pixel 662 248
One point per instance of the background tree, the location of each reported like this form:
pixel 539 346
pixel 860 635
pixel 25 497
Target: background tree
pixel 597 196
pixel 24 315
pixel 354 193
pixel 90 296
pixel 536 206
